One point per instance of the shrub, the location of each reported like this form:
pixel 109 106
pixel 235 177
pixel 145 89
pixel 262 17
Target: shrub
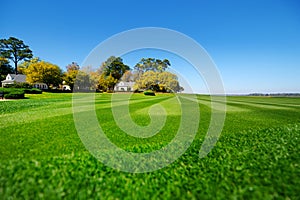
pixel 18 93
pixel 9 90
pixel 15 95
pixel 33 91
pixel 19 85
pixel 149 93
pixel 4 90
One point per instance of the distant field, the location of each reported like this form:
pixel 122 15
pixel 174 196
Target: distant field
pixel 256 157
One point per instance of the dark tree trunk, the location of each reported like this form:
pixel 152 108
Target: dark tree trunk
pixel 16 68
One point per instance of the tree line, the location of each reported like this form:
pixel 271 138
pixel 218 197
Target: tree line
pixel 148 73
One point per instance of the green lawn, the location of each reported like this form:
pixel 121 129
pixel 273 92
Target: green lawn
pixel 256 157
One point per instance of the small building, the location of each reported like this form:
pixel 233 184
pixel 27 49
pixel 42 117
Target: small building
pixel 13 79
pixel 123 86
pixel 41 86
pixel 66 88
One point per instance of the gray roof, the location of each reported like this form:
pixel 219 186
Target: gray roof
pixel 125 84
pixel 19 78
pixel 12 76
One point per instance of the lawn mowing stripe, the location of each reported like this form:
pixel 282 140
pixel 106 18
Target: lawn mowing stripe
pixel 232 104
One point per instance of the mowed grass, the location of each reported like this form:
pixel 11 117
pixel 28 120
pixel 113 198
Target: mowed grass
pixel 256 157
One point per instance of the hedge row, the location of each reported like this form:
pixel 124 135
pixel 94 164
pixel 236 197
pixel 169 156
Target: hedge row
pixel 19 85
pixel 15 95
pixel 18 93
pixel 149 93
pixel 33 91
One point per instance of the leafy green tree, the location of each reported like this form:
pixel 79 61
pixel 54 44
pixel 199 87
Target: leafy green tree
pixel 15 50
pixel 115 67
pixel 112 70
pixel 5 68
pixel 151 64
pixel 158 81
pixel 43 72
pixel 151 74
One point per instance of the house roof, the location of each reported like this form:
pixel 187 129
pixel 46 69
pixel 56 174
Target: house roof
pixel 19 78
pixel 12 76
pixel 125 84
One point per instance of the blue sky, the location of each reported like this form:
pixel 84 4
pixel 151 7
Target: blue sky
pixel 255 44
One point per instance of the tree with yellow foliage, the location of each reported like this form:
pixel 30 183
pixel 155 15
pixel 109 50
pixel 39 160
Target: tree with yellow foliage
pixel 43 72
pixel 70 75
pixel 107 83
pixel 158 81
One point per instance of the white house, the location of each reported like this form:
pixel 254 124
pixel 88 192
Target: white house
pixel 123 86
pixel 14 78
pixel 20 78
pixel 41 86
